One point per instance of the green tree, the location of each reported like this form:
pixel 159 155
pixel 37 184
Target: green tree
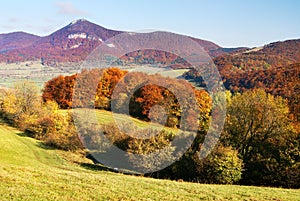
pixel 258 127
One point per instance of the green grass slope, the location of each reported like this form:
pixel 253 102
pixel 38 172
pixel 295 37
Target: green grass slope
pixel 28 171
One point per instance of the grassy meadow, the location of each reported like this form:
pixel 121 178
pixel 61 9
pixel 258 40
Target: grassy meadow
pixel 31 171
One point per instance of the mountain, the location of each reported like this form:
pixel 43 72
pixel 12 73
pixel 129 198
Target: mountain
pixel 16 40
pixel 73 43
pixel 78 34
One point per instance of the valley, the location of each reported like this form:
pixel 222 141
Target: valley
pixel 32 71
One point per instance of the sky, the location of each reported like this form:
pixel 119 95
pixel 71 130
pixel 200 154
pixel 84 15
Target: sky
pixel 228 23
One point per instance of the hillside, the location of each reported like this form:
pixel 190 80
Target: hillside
pixel 31 171
pixel 280 81
pixel 73 43
pixel 16 40
pixel 273 67
pixel 271 55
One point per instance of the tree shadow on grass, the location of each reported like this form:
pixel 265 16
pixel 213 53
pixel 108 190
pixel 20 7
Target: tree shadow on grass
pixel 97 167
pixel 4 121
pixel 23 134
pixel 100 167
pixel 43 145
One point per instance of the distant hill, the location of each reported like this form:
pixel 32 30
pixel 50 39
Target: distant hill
pixel 73 43
pixel 16 40
pixel 271 55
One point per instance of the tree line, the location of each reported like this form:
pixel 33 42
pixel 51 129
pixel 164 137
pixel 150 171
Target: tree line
pixel 139 87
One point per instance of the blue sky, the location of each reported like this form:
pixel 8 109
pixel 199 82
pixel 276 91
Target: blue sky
pixel 228 23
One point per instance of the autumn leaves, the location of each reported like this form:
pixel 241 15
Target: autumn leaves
pixel 136 90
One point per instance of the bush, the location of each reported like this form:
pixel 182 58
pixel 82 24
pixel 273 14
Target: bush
pixel 60 132
pixel 65 140
pixel 154 152
pixel 222 166
pixel 143 152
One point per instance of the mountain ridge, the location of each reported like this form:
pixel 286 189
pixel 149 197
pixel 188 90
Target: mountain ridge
pixel 71 43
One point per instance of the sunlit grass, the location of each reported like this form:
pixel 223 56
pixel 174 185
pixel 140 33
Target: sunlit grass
pixel 30 171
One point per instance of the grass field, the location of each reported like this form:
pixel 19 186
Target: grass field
pixel 33 71
pixel 105 117
pixel 30 171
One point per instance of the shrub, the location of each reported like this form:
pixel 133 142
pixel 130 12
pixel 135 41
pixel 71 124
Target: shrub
pixel 151 153
pixel 21 105
pixel 64 135
pixel 222 166
pixel 55 128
